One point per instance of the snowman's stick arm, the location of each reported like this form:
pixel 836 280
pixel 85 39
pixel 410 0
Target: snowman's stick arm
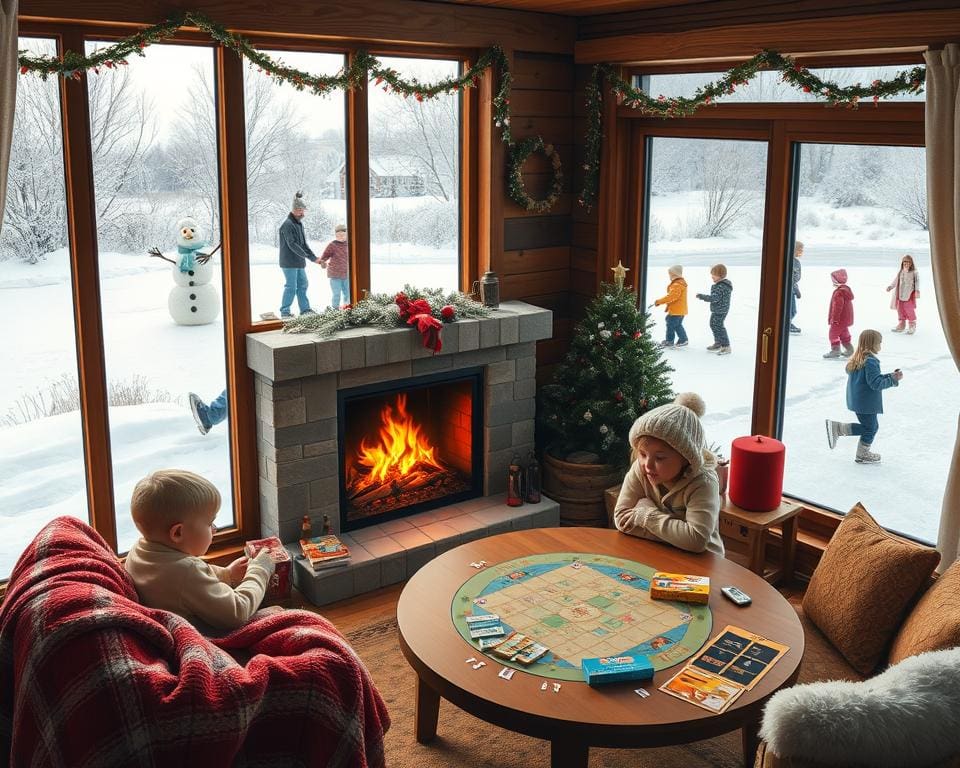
pixel 156 252
pixel 203 258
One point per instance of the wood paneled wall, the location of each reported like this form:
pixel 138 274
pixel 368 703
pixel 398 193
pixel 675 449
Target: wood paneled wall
pixel 536 261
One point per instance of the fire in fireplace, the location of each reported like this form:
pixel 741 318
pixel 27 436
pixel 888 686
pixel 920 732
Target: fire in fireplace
pixel 408 448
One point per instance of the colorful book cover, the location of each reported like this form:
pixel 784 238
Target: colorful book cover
pixel 680 586
pixel 320 550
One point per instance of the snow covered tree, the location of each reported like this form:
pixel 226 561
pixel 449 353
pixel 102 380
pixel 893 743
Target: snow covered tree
pixel 613 373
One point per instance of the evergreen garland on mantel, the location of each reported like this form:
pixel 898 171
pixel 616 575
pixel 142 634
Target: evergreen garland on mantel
pixel 364 68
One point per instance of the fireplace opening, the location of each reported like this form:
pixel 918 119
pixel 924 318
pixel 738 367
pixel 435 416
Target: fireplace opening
pixel 409 447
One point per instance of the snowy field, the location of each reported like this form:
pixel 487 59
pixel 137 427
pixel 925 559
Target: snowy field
pixel 41 462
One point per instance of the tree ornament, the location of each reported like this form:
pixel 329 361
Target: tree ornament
pixel 448 314
pixel 618 396
pixel 619 274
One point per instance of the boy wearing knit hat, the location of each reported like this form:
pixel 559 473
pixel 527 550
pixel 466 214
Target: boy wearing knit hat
pixel 676 301
pixel 671 492
pixel 294 253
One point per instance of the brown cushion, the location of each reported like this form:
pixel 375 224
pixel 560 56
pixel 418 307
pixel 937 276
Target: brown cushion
pixel 863 585
pixel 934 623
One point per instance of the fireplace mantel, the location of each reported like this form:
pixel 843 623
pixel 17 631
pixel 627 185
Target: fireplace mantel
pixel 298 375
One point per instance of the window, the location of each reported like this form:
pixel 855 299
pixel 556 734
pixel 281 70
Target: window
pixel 415 182
pixel 155 175
pixel 295 142
pixel 861 209
pixel 41 439
pixel 768 87
pixel 705 204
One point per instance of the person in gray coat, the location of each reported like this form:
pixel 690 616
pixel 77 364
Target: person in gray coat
pixel 294 253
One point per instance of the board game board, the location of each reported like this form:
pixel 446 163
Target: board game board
pixel 582 605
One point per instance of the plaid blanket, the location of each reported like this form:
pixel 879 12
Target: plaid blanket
pixel 92 678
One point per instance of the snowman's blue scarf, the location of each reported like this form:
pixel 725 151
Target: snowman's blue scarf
pixel 188 258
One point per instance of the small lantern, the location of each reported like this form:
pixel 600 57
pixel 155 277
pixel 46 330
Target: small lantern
pixel 514 481
pixel 532 491
pixel 306 528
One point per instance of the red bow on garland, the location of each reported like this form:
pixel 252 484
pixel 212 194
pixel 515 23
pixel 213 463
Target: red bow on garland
pixel 418 313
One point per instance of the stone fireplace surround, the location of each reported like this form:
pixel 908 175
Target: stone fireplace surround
pixel 297 377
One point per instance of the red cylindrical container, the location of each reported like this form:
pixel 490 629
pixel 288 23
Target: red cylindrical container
pixel 756 473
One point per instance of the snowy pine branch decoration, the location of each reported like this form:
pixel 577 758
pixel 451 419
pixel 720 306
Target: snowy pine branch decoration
pixel 382 311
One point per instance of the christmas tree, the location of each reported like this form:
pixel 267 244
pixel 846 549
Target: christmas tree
pixel 612 374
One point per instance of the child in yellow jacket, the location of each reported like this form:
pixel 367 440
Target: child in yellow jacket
pixel 676 301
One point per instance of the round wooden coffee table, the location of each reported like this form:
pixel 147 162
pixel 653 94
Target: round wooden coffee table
pixel 578 716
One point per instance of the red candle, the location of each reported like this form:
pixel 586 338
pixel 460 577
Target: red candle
pixel 756 473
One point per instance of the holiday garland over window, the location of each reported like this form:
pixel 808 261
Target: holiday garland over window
pixel 365 67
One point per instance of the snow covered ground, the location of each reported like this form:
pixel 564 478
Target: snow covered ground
pixel 41 462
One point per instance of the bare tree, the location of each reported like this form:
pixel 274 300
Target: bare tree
pixel 35 212
pixel 728 173
pixel 122 131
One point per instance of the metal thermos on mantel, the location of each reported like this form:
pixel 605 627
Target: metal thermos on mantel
pixel 488 287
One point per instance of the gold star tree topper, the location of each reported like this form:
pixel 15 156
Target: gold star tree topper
pixel 619 274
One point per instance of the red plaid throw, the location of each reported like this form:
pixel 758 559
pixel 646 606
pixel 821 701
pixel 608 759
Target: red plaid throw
pixel 92 678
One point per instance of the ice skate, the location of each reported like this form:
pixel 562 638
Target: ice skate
pixel 794 329
pixel 899 327
pixel 681 344
pixel 834 352
pixel 847 349
pixel 836 429
pixel 865 455
pixel 911 329
pixel 723 351
pixel 713 347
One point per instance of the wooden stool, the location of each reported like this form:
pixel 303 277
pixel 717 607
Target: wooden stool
pixel 751 527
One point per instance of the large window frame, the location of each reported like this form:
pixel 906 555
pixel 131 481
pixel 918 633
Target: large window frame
pixel 476 211
pixel 784 126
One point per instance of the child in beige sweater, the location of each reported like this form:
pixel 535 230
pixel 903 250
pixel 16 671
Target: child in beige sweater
pixel 174 510
pixel 671 492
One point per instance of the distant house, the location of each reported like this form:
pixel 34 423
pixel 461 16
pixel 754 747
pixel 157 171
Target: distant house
pixel 390 176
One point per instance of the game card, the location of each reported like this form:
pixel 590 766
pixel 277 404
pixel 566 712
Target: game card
pixel 702 689
pixel 739 656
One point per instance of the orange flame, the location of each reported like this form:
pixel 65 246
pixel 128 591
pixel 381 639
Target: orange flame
pixel 402 446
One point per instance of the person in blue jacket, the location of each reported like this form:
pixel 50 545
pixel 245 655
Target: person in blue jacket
pixel 865 385
pixel 719 298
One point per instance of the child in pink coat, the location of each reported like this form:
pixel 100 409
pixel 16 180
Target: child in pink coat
pixel 840 316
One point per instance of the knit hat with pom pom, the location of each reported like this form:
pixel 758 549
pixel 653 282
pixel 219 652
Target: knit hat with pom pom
pixel 678 425
pixel 298 202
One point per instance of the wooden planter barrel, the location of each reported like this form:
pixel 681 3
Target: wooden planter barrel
pixel 578 489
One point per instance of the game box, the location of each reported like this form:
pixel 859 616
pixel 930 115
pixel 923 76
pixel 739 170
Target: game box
pixel 612 669
pixel 680 586
pixel 278 588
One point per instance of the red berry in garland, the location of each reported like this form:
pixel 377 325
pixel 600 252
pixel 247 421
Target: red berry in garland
pixel 618 396
pixel 638 334
pixel 448 313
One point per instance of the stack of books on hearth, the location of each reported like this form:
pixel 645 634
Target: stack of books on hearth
pixel 324 552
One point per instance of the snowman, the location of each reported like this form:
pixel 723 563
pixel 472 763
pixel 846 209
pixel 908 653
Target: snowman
pixel 192 300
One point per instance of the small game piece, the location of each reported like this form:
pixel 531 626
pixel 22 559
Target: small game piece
pixel 556 687
pixel 543 686
pixel 471 660
pixel 479 664
pixel 477 565
pixel 643 693
pixel 506 673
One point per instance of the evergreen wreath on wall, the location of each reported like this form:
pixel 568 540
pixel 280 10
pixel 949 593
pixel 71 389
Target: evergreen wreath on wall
pixel 366 68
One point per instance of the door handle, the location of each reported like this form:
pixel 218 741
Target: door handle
pixel 764 344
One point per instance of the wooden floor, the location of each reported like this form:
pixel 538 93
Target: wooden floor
pixel 355 612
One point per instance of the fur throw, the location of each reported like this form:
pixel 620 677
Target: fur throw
pixel 906 717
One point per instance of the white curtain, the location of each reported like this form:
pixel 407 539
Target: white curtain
pixel 8 89
pixel 943 202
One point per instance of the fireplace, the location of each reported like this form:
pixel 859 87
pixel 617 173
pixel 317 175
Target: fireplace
pixel 409 446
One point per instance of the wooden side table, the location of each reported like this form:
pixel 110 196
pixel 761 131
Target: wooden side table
pixel 751 527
